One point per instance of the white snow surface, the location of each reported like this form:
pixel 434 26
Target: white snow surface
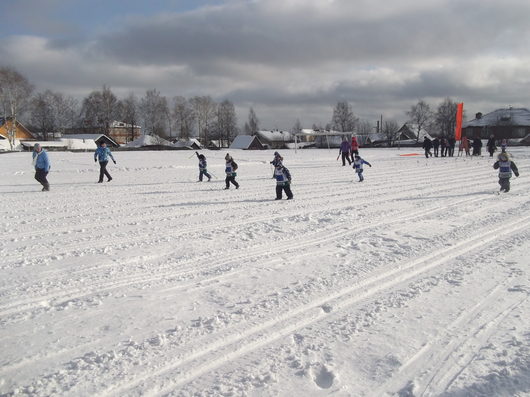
pixel 414 282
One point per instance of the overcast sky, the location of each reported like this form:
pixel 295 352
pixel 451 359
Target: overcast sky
pixel 288 59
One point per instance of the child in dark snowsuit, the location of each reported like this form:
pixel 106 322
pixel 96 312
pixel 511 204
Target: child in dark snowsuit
pixel 202 167
pixel 505 167
pixel 283 181
pixel 230 171
pixel 358 166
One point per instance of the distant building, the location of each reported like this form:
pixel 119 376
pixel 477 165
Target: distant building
pixel 21 133
pixel 275 139
pixel 247 142
pixel 120 132
pixel 511 123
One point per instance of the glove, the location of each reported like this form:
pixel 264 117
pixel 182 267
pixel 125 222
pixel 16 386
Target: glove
pixel 370 166
pixel 95 160
pixel 114 161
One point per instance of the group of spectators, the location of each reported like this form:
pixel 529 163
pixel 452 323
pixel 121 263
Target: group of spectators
pixel 445 147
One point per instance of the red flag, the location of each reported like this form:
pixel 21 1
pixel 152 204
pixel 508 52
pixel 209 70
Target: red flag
pixel 459 115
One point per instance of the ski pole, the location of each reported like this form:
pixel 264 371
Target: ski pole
pixel 191 156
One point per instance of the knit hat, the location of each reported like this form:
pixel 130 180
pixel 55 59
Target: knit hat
pixel 36 146
pixel 228 157
pixel 503 156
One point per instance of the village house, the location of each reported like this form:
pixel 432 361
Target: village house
pixel 511 123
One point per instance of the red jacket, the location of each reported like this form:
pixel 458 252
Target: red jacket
pixel 354 144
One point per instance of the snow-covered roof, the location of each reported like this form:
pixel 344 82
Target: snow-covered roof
pixel 192 143
pixel 311 132
pixel 149 140
pixel 121 124
pixel 245 142
pixel 44 144
pixel 275 135
pixel 510 116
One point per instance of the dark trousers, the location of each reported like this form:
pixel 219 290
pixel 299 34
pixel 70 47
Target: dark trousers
pixel 40 175
pixel 103 171
pixel 353 153
pixel 436 151
pixel 346 156
pixel 428 153
pixel 451 151
pixel 205 173
pixel 286 188
pixel 505 184
pixel 231 179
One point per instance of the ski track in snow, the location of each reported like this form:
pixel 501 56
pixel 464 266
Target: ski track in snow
pixel 156 285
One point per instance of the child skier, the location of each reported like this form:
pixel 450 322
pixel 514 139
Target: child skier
pixel 505 167
pixel 275 161
pixel 230 170
pixel 358 166
pixel 202 167
pixel 283 181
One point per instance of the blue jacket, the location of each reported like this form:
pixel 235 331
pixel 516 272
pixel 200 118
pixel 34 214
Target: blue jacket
pixel 41 160
pixel 103 153
pixel 358 164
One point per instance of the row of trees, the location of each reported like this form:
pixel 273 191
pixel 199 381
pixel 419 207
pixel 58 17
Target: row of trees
pixel 420 118
pixel 49 112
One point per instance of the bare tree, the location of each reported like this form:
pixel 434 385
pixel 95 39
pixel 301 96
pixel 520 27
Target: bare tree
pixel 15 91
pixel 205 111
pixel 183 117
pixel 52 112
pixel 155 113
pixel 364 127
pixel 420 116
pixel 253 122
pixel 297 127
pixel 343 119
pixel 100 109
pixel 391 131
pixel 131 112
pixel 445 118
pixel 226 123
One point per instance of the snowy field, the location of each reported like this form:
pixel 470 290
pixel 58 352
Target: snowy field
pixel 412 283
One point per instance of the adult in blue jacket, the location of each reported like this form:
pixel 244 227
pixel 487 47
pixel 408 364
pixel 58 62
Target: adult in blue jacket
pixel 103 153
pixel 41 162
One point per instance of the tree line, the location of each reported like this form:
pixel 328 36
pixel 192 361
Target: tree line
pixel 49 112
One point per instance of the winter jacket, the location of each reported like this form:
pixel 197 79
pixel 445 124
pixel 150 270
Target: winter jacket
pixel 41 160
pixel 282 175
pixel 427 144
pixel 505 168
pixel 229 168
pixel 277 160
pixel 358 164
pixel 354 144
pixel 202 161
pixel 344 147
pixel 103 153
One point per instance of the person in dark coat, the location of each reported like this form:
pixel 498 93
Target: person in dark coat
pixel 477 146
pixel 41 162
pixel 435 146
pixel 492 147
pixel 451 143
pixel 427 145
pixel 283 181
pixel 344 150
pixel 505 167
pixel 443 146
